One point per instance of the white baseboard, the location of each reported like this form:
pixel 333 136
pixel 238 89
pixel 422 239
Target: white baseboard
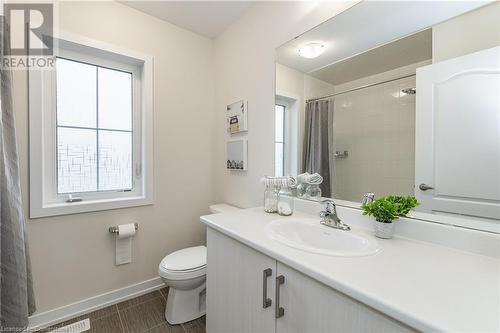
pixel 54 316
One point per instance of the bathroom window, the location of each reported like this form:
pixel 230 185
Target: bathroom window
pixel 90 130
pixel 279 140
pixel 94 128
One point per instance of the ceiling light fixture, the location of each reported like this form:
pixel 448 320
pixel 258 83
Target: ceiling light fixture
pixel 312 49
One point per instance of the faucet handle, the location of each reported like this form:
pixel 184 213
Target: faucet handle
pixel 329 205
pixel 331 212
pixel 368 198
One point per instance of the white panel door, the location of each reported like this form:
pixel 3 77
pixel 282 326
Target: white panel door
pixel 311 307
pixel 236 284
pixel 457 152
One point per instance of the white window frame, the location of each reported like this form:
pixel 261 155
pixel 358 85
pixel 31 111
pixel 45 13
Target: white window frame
pixel 44 199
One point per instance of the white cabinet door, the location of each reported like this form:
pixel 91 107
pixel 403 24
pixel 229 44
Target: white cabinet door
pixel 458 135
pixel 235 287
pixel 312 307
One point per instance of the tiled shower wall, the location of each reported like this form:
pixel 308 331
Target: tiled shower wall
pixel 376 125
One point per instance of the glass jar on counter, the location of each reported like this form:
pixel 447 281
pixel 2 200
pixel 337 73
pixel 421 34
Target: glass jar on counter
pixel 301 190
pixel 271 198
pixel 285 202
pixel 313 192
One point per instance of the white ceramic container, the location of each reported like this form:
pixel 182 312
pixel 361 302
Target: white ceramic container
pixel 384 230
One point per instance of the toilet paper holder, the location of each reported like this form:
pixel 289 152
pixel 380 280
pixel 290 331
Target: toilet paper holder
pixel 114 230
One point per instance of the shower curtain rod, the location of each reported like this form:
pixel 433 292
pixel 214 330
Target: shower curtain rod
pixel 358 88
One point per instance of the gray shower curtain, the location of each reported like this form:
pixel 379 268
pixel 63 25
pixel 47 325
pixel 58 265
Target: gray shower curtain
pixel 318 142
pixel 16 291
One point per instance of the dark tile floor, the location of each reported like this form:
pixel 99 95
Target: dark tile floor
pixel 145 313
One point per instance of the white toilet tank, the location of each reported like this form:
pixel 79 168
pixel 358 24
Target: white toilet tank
pixel 222 208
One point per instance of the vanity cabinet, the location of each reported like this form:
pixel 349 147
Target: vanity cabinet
pixel 237 287
pixel 235 275
pixel 311 306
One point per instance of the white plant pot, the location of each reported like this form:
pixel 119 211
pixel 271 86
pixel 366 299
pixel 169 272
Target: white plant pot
pixel 384 230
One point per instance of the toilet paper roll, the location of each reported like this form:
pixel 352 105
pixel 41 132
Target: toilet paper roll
pixel 123 246
pixel 126 230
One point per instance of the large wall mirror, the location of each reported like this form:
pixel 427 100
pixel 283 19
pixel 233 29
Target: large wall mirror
pixel 397 98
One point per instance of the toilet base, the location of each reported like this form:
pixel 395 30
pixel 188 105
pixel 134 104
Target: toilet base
pixel 185 305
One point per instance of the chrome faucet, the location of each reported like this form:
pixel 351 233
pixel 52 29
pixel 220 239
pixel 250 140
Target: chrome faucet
pixel 330 218
pixel 368 198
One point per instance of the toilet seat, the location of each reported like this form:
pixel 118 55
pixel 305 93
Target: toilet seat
pixel 184 264
pixel 182 275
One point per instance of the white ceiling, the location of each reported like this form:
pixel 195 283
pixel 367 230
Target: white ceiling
pixel 367 25
pixel 405 51
pixel 207 18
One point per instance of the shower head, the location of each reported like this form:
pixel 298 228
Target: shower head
pixel 409 91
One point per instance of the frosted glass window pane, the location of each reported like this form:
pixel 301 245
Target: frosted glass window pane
pixel 76 93
pixel 279 123
pixel 279 159
pixel 115 99
pixel 115 160
pixel 76 160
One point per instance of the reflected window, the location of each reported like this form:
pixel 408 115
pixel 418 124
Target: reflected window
pixel 279 140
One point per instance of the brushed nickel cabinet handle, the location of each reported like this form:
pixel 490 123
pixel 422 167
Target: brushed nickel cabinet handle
pixel 266 302
pixel 279 311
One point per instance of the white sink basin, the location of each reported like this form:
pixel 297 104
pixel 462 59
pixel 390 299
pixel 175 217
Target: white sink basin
pixel 311 236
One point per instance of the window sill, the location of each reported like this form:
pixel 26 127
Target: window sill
pixel 87 206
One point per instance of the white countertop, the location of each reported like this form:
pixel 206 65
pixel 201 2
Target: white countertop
pixel 426 286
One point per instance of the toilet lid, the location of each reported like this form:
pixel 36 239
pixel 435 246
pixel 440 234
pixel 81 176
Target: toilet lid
pixel 186 259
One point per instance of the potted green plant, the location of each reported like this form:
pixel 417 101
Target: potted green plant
pixel 387 209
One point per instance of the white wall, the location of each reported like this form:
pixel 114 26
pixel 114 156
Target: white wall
pixel 468 33
pixel 315 88
pixel 289 82
pixel 73 256
pixel 244 67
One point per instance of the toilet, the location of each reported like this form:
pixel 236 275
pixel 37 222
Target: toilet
pixel 184 272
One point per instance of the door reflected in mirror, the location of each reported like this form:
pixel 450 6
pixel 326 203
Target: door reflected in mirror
pixel 406 109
